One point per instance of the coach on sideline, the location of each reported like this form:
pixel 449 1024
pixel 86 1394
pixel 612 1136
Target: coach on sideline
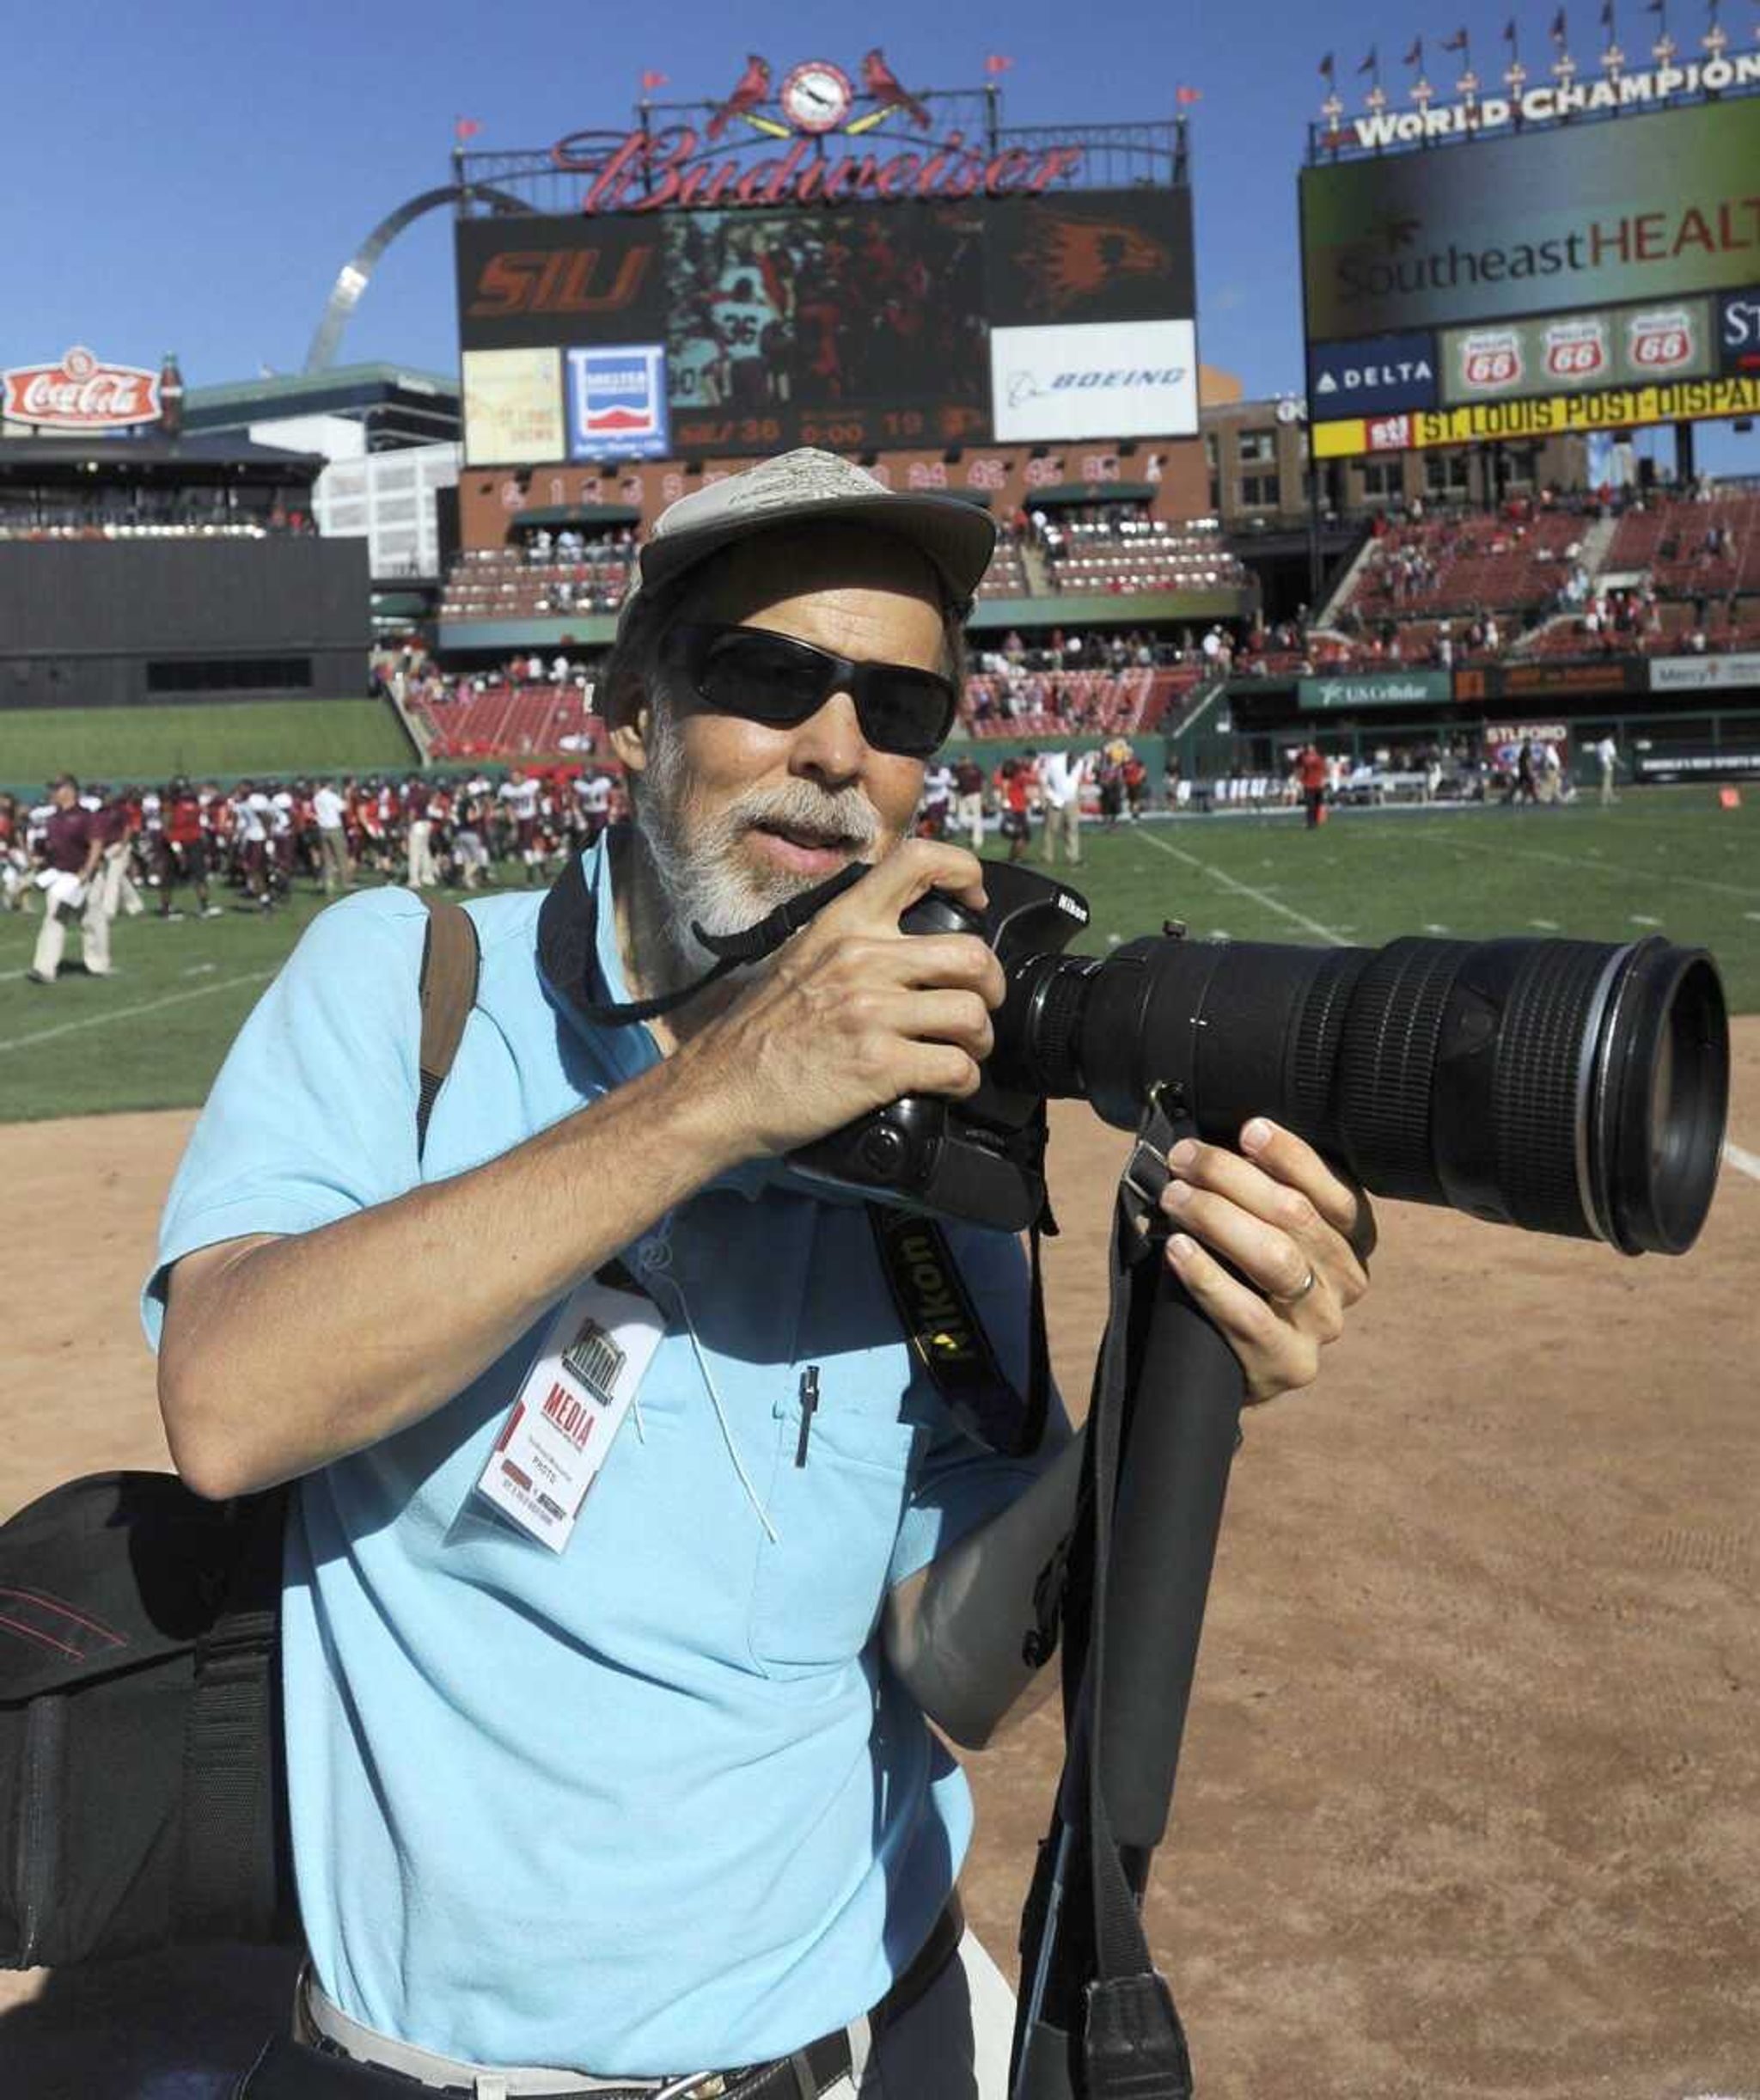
pixel 651 1796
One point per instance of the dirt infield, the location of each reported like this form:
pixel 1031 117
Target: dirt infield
pixel 1469 1804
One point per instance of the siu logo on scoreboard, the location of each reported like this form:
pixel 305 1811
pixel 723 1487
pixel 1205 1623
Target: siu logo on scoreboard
pixel 617 402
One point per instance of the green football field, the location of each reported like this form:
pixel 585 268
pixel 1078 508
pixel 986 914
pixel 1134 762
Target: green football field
pixel 221 738
pixel 1668 861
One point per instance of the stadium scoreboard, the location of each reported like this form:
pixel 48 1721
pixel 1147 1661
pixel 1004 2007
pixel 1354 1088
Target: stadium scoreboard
pixel 702 333
pixel 1590 276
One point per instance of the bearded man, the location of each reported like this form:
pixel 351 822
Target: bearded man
pixel 632 1548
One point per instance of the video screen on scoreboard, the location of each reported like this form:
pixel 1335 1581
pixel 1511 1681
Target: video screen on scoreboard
pixel 1446 286
pixel 699 333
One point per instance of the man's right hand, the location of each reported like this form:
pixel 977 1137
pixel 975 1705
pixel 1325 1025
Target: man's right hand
pixel 852 1013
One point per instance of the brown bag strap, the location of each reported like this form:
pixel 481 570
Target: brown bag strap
pixel 450 962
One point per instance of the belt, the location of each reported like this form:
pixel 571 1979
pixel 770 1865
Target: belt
pixel 805 2074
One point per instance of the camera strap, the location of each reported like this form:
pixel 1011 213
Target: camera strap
pixel 1132 2040
pixel 1084 1956
pixel 948 1339
pixel 731 951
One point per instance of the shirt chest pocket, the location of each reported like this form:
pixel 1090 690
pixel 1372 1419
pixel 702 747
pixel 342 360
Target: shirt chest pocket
pixel 837 1494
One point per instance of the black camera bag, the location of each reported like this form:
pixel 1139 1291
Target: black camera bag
pixel 140 1740
pixel 143 1792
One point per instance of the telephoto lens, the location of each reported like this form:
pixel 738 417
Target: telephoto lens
pixel 1561 1086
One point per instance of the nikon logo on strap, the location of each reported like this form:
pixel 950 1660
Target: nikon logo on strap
pixel 945 1333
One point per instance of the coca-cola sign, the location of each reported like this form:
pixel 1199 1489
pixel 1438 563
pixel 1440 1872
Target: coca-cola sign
pixel 79 394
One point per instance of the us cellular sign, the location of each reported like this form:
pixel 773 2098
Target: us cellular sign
pixel 1376 377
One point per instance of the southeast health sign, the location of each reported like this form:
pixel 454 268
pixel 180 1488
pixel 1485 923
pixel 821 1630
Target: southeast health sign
pixel 617 402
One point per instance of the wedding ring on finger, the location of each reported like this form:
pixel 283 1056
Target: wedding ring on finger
pixel 1296 1296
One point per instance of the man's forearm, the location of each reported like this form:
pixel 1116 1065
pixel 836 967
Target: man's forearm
pixel 420 1294
pixel 957 1632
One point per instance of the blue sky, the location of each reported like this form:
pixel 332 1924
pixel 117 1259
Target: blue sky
pixel 194 179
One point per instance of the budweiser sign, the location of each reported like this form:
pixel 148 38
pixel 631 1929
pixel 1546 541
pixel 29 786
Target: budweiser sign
pixel 671 170
pixel 79 394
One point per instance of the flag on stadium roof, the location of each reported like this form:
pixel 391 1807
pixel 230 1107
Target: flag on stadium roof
pixel 1557 30
pixel 1457 42
pixel 464 127
pixel 1415 55
pixel 1372 63
pixel 655 80
pixel 1509 33
pixel 1182 95
pixel 997 64
pixel 1326 67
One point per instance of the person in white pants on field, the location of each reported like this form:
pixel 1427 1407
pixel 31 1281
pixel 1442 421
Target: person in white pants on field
pixel 73 850
pixel 1062 776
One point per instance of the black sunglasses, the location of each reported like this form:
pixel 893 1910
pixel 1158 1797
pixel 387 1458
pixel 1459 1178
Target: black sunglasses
pixel 780 681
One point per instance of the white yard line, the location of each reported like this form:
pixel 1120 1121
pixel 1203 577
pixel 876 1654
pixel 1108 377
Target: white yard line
pixel 1743 1162
pixel 1624 869
pixel 1242 888
pixel 127 1014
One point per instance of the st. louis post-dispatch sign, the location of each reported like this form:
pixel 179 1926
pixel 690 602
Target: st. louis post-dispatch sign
pixel 1687 400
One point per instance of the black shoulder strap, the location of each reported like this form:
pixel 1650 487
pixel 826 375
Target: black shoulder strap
pixel 234 1880
pixel 451 963
pixel 948 1339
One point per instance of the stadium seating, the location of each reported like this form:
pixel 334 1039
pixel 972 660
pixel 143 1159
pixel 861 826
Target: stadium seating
pixel 1670 573
pixel 1054 703
pixel 509 721
pixel 1121 555
pixel 502 583
pixel 1689 548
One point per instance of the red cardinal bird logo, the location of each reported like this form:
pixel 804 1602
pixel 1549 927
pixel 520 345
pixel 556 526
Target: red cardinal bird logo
pixel 752 87
pixel 1070 258
pixel 886 88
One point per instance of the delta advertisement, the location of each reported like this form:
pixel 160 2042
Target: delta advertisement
pixel 1641 209
pixel 705 333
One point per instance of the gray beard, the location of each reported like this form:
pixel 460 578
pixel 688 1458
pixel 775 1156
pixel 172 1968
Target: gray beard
pixel 691 872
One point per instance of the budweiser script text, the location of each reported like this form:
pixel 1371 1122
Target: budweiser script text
pixel 652 174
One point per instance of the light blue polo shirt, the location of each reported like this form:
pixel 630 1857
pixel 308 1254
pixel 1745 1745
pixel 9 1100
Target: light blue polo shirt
pixel 655 1804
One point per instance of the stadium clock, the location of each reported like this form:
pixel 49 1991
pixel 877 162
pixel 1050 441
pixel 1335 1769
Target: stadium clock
pixel 817 96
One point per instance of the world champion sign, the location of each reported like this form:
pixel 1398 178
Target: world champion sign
pixel 667 171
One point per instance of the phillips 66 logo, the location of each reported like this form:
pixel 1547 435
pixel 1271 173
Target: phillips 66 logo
pixel 1661 342
pixel 1491 361
pixel 1576 350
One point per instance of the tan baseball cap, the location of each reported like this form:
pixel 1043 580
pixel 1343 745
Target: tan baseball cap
pixel 816 487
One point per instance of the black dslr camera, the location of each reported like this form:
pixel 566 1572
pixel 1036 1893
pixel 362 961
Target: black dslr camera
pixel 1561 1086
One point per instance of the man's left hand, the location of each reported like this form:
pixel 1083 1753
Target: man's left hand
pixel 1294 1237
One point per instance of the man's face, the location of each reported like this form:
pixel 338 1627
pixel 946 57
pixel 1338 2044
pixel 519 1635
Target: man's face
pixel 64 794
pixel 739 815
